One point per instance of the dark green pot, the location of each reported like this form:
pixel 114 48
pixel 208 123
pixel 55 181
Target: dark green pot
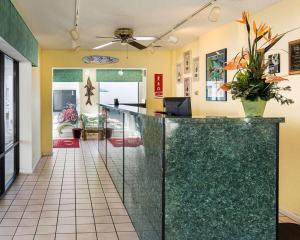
pixel 254 108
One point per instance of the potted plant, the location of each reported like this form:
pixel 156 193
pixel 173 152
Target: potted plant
pixel 251 83
pixel 69 117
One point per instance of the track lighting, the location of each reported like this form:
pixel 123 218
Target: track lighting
pixel 173 39
pixel 214 14
pixel 74 34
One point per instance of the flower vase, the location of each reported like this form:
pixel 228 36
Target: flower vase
pixel 254 108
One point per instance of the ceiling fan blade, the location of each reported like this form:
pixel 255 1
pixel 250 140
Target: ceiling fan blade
pixel 103 37
pixel 137 45
pixel 104 45
pixel 145 38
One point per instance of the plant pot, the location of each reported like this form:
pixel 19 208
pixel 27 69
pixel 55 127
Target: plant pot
pixel 76 132
pixel 254 108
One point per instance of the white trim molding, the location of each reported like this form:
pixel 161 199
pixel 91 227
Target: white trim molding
pixel 291 215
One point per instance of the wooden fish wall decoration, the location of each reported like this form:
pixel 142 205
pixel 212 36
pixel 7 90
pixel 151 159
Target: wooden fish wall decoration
pixel 89 91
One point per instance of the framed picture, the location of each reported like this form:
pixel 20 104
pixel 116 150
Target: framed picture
pixel 216 75
pixel 187 62
pixel 294 57
pixel 274 63
pixel 187 87
pixel 196 69
pixel 179 72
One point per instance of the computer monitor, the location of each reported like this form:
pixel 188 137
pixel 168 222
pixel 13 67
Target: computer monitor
pixel 178 106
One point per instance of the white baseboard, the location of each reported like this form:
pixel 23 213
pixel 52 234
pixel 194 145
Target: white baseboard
pixel 291 215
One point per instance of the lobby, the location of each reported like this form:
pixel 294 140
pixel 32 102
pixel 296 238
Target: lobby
pixel 167 147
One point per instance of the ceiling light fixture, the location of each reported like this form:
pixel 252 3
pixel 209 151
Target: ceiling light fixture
pixel 173 39
pixel 201 9
pixel 215 13
pixel 74 33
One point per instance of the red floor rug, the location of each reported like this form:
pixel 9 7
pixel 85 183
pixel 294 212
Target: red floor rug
pixel 66 143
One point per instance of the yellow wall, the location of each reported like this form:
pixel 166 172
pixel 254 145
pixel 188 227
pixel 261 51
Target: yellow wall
pixel 282 17
pixel 159 62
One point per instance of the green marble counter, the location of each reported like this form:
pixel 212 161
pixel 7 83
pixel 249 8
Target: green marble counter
pixel 194 178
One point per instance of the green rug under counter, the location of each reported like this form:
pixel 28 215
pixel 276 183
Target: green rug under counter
pixel 197 178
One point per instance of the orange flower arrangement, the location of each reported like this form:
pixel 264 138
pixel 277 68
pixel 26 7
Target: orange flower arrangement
pixel 251 80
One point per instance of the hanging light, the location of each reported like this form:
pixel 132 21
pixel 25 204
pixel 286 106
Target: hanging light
pixel 215 13
pixel 120 72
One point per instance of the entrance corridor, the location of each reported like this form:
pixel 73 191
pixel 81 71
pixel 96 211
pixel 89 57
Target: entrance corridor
pixel 70 196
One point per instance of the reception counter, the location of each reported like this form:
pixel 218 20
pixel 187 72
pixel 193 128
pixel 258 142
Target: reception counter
pixel 209 178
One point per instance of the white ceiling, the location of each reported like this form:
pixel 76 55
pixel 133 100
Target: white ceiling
pixel 51 20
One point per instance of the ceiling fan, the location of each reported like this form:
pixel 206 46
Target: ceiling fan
pixel 125 36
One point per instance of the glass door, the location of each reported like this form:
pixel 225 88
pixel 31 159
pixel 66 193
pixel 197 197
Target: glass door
pixel 8 120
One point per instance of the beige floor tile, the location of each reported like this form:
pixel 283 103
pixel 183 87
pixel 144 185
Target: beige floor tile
pixel 101 212
pixel 31 215
pixel 67 207
pixel 65 237
pixel 66 220
pixel 103 219
pixel 66 214
pixel 24 237
pixel 84 220
pixel 118 212
pixel 46 230
pixel 84 213
pixel 89 236
pixel 124 227
pixel 29 222
pixel 105 228
pixel 49 214
pixel 13 215
pixel 7 231
pixel 44 237
pixel 108 236
pixel 127 236
pixel 26 230
pixel 6 237
pixel 47 221
pixel 121 219
pixel 86 228
pixel 66 229
pixel 7 222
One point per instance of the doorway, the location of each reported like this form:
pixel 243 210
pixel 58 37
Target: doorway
pixel 9 121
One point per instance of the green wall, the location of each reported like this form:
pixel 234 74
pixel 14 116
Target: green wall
pixel 112 75
pixel 67 75
pixel 14 31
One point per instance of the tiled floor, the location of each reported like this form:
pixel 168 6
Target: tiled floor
pixel 70 196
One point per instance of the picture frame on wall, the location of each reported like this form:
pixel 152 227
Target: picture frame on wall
pixel 196 69
pixel 187 61
pixel 216 75
pixel 179 73
pixel 274 63
pixel 294 57
pixel 187 87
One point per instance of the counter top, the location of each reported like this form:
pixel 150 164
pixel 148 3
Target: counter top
pixel 200 119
